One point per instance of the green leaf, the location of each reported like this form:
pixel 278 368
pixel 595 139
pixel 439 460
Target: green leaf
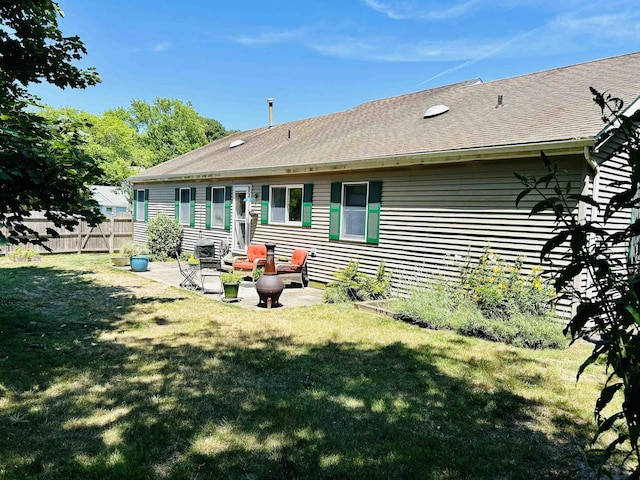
pixel 543 205
pixel 607 424
pixel 553 243
pixel 523 194
pixel 628 311
pixel 606 395
pixel 585 199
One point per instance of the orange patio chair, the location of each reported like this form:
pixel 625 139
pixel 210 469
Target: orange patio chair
pixel 256 257
pixel 295 270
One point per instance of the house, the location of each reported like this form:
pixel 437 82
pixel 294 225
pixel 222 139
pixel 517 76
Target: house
pixel 416 180
pixel 110 199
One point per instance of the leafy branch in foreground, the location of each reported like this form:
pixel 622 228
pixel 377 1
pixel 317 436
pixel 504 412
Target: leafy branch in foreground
pixel 609 314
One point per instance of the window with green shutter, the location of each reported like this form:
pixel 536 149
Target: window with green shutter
pixel 146 204
pixel 214 207
pixel 354 211
pixel 185 208
pixel 192 207
pixel 307 204
pixel 264 205
pixel 139 206
pixel 227 208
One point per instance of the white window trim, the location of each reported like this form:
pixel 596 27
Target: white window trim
pixel 214 225
pixel 286 204
pixel 343 197
pixel 139 211
pixel 186 221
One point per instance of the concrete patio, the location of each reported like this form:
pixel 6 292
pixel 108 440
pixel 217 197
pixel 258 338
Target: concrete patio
pixel 292 296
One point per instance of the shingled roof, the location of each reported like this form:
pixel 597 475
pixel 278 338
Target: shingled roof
pixel 553 108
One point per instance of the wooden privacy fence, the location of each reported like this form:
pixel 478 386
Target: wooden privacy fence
pixel 109 236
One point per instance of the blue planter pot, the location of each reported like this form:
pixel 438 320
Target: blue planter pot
pixel 139 263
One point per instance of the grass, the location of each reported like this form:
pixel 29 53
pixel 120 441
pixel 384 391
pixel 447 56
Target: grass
pixel 104 374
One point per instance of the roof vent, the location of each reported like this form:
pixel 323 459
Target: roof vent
pixel 236 143
pixel 435 111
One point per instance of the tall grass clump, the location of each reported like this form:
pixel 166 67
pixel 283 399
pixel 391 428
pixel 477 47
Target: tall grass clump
pixel 491 300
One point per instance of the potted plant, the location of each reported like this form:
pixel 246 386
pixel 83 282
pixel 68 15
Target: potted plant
pixel 230 284
pixel 138 256
pixel 121 259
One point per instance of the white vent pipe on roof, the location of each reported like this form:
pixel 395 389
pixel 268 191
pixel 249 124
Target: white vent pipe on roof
pixel 270 103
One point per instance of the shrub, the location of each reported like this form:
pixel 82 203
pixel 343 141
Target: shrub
pixel 28 253
pixel 164 237
pixel 352 285
pixel 500 290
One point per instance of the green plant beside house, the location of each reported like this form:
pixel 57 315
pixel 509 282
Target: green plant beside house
pixel 164 237
pixel 354 286
pixel 491 299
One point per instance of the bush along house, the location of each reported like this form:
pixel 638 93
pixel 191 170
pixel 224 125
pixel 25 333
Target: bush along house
pixel 416 180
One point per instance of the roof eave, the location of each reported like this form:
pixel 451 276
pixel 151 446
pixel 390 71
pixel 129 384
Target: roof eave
pixel 552 148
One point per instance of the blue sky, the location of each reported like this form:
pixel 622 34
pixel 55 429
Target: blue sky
pixel 318 57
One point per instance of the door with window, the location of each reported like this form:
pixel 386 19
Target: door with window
pixel 241 218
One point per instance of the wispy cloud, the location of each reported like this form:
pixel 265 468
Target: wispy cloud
pixel 569 29
pixel 272 37
pixel 401 10
pixel 391 50
pixel 161 47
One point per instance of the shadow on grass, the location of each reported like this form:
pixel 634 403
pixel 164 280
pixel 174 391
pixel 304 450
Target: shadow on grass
pixel 257 405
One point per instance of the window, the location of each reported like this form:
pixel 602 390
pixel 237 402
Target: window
pixel 286 204
pixel 185 206
pixel 140 205
pixel 354 211
pixel 217 206
pixel 185 201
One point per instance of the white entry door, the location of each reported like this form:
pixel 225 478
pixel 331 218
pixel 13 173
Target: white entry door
pixel 241 218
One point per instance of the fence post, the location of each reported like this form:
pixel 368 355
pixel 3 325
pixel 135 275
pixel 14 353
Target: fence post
pixel 111 233
pixel 79 226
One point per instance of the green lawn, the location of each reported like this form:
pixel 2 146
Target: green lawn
pixel 104 374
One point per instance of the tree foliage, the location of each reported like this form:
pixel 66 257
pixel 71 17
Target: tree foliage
pixel 610 315
pixel 42 165
pixel 167 127
pixel 113 143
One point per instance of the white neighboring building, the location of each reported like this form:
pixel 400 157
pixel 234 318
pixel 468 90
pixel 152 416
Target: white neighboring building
pixel 111 200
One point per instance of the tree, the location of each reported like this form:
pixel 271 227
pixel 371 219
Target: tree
pixel 214 130
pixel 608 315
pixel 113 143
pixel 42 166
pixel 167 127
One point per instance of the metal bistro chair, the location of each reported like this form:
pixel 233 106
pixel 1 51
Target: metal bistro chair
pixel 210 266
pixel 188 274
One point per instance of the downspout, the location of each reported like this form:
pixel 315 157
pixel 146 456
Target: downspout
pixel 587 213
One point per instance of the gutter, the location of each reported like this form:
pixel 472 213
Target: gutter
pixel 563 147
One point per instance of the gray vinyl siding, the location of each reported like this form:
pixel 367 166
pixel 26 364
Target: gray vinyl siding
pixel 616 169
pixel 431 218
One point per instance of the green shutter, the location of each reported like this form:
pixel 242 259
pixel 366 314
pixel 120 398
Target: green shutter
pixel 307 206
pixel 176 210
pixel 207 208
pixel 264 205
pixel 135 205
pixel 192 207
pixel 373 212
pixel 227 208
pixel 334 211
pixel 146 204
